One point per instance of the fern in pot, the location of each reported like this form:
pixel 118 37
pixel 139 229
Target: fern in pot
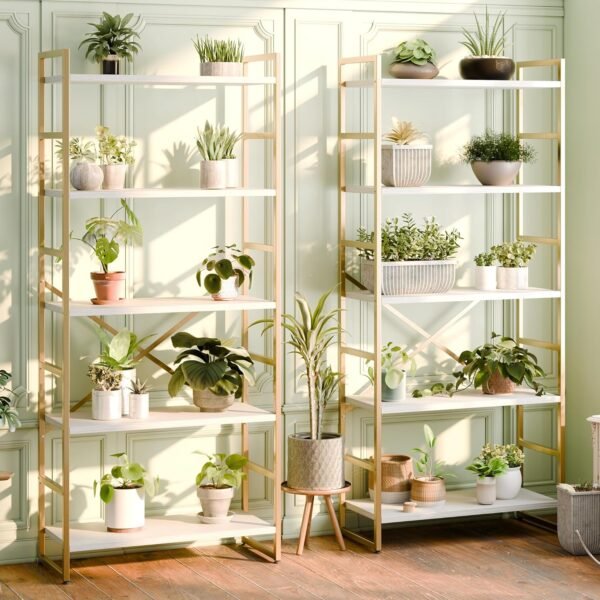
pixel 514 257
pixel 406 162
pixel 85 174
pixel 413 60
pixel 224 271
pixel 216 147
pixel 485 271
pixel 415 260
pixel 220 58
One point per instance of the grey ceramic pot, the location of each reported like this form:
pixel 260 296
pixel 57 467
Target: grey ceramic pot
pixel 496 172
pixel 408 70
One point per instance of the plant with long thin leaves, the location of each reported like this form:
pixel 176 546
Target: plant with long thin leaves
pixel 8 403
pixel 426 462
pixel 489 39
pixel 78 149
pixel 112 37
pixel 210 50
pixel 216 142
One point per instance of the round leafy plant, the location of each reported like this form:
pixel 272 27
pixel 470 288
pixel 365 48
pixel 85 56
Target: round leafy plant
pixel 418 52
pixel 485 259
pixel 491 467
pixel 513 455
pixel 221 471
pixel 514 254
pixel 393 359
pixel 222 264
pixel 497 146
pixel 114 149
pixel 112 37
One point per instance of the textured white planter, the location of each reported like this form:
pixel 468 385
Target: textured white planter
pixel 229 289
pixel 114 177
pixel 127 376
pixel 578 511
pixel 106 406
pixel 411 277
pixel 125 512
pixel 486 490
pixel 213 174
pixel 512 278
pixel 485 278
pixel 215 502
pixel 86 176
pixel 139 406
pixel 393 395
pixel 496 172
pixel 232 170
pixel 405 166
pixel 221 69
pixel 509 484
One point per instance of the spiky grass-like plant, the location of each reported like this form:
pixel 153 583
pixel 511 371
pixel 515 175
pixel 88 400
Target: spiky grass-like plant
pixel 404 133
pixel 216 142
pixel 210 50
pixel 489 39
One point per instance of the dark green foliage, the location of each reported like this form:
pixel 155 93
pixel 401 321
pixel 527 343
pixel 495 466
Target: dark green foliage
pixel 112 36
pixel 497 146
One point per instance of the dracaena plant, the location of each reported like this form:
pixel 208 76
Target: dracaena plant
pixel 489 39
pixel 216 142
pixel 417 52
pixel 8 403
pixel 111 37
pixel 118 351
pixel 426 462
pixel 104 379
pixel 210 50
pixel 497 146
pixel 125 475
pixel 393 363
pixel 404 133
pixel 514 254
pixel 114 149
pixel 221 471
pixel 224 263
pixel 207 364
pixel 104 235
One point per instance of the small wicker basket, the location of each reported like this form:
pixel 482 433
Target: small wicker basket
pixel 428 492
pixel 396 476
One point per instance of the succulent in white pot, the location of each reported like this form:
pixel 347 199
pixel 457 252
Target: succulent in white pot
pixel 406 162
pixel 220 58
pixel 116 154
pixel 8 403
pixel 124 491
pixel 85 173
pixel 508 484
pixel 394 361
pixel 485 271
pixel 216 144
pixel 513 259
pixel 487 469
pixel 106 394
pixel 224 271
pixel 216 483
pixel 139 399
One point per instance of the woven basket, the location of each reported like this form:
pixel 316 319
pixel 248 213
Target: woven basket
pixel 497 384
pixel 396 476
pixel 428 492
pixel 411 276
pixel 405 166
pixel 578 511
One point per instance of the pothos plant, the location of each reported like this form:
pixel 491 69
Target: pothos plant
pixel 8 403
pixel 111 37
pixel 221 471
pixel 125 475
pixel 426 462
pixel 393 359
pixel 224 263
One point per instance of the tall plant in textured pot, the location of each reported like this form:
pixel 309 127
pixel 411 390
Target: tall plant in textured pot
pixel 315 458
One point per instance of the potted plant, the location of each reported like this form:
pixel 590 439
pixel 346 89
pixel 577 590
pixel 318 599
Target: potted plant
pixel 416 260
pixel 123 490
pixel 226 269
pixel 85 173
pixel 508 484
pixel 216 483
pixel 215 145
pixel 406 162
pixel 498 366
pixel 8 403
pixel 578 517
pixel 413 60
pixel 139 399
pixel 112 40
pixel 315 458
pixel 487 469
pixel 104 236
pixel 220 57
pixel 216 373
pixel 513 272
pixel 497 157
pixel 116 154
pixel 106 394
pixel 485 271
pixel 430 488
pixel 486 47
pixel 396 478
pixel 232 167
pixel 393 375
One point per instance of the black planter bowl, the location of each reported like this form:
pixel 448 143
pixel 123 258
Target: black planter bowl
pixel 483 67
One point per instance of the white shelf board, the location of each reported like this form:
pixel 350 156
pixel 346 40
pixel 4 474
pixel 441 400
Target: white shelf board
pixel 161 80
pixel 172 417
pixel 472 189
pixel 172 529
pixel 164 193
pixel 510 84
pixel 459 294
pixel 467 400
pixel 155 306
pixel 459 503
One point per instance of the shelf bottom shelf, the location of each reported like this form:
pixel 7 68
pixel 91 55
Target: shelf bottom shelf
pixel 171 529
pixel 459 503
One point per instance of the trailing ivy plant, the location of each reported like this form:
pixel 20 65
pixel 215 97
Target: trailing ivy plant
pixel 497 146
pixel 417 52
pixel 8 403
pixel 224 263
pixel 485 259
pixel 125 475
pixel 210 50
pixel 489 39
pixel 221 471
pixel 112 37
pixel 514 254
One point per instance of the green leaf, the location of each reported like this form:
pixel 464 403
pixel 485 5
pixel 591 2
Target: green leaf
pixel 429 436
pixel 236 461
pixel 176 382
pixel 119 345
pixel 224 268
pixel 212 283
pixel 200 376
pixel 107 493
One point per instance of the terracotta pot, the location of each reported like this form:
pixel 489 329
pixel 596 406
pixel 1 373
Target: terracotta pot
pixel 111 65
pixel 213 174
pixel 125 512
pixel 315 464
pixel 206 401
pixel 114 177
pixel 428 492
pixel 486 67
pixel 497 384
pixel 396 476
pixel 86 176
pixel 221 69
pixel 408 70
pixel 215 502
pixel 496 172
pixel 108 287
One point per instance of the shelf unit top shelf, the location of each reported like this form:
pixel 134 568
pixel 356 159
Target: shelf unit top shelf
pixel 459 503
pixel 172 417
pixel 171 529
pixel 161 80
pixel 163 193
pixel 509 84
pixel 152 306
pixel 470 189
pixel 467 400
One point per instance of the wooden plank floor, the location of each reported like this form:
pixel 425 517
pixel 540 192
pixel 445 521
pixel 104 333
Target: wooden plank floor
pixel 480 560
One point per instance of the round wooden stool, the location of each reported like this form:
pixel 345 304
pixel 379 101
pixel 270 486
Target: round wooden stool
pixel 308 508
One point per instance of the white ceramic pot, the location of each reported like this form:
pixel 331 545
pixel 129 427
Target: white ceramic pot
pixel 86 176
pixel 106 406
pixel 485 278
pixel 496 172
pixel 393 395
pixel 405 165
pixel 127 376
pixel 509 485
pixel 213 174
pixel 229 290
pixel 114 177
pixel 486 490
pixel 125 512
pixel 222 69
pixel 139 406
pixel 512 278
pixel 215 502
pixel 232 170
